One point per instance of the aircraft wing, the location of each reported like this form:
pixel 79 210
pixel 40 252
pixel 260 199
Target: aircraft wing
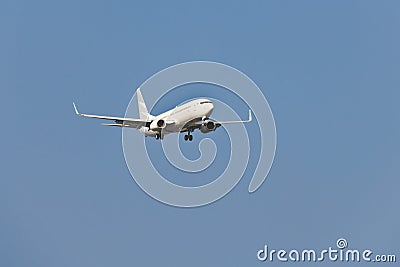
pixel 120 122
pixel 219 123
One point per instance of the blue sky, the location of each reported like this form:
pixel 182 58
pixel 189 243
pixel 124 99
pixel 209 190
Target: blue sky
pixel 329 69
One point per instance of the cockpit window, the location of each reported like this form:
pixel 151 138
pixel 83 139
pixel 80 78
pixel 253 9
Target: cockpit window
pixel 203 102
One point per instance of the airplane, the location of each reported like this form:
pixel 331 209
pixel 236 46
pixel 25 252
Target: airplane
pixel 184 118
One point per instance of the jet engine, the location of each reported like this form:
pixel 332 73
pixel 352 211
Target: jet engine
pixel 159 124
pixel 208 126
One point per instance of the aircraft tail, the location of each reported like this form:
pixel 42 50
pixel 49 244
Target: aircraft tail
pixel 143 112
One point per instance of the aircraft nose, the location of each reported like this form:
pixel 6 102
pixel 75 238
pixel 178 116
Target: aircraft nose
pixel 210 109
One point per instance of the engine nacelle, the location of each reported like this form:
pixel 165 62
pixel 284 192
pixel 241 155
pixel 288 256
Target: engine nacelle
pixel 156 125
pixel 208 126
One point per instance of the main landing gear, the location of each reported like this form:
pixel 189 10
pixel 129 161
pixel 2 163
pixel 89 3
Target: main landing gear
pixel 158 136
pixel 188 137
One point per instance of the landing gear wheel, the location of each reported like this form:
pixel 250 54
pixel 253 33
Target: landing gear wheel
pixel 186 137
pixel 190 137
pixel 157 136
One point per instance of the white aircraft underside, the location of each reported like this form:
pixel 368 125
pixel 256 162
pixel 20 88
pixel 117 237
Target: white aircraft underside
pixel 185 118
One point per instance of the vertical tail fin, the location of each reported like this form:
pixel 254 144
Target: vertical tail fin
pixel 143 112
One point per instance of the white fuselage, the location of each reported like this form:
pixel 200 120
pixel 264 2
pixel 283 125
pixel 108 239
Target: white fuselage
pixel 193 111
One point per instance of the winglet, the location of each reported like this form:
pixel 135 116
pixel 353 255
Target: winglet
pixel 76 110
pixel 250 118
